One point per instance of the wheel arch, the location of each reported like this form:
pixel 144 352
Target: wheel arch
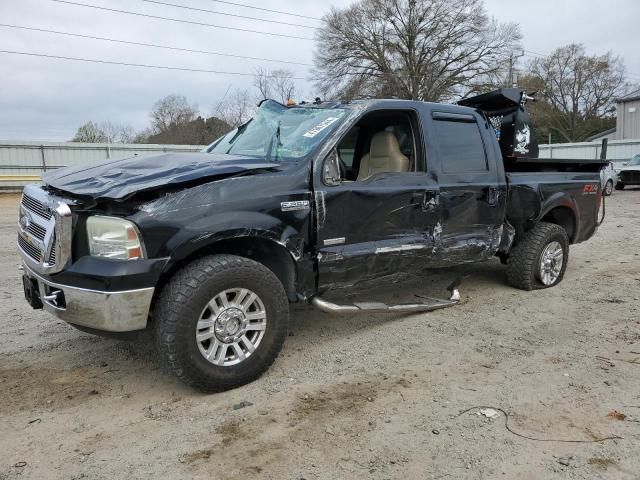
pixel 565 217
pixel 562 210
pixel 260 248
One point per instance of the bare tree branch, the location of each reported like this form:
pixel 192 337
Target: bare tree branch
pixel 580 89
pixel 430 50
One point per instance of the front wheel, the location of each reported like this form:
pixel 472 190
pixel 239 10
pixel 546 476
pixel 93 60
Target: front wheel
pixel 619 186
pixel 539 260
pixel 220 322
pixel 608 188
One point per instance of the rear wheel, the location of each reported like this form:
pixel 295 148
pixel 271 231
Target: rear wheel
pixel 608 188
pixel 619 186
pixel 221 322
pixel 539 260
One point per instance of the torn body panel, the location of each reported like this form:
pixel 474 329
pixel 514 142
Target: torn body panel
pixel 119 179
pixel 386 225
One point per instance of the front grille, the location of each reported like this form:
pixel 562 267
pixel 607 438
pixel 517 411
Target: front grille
pixel 37 231
pixel 45 230
pixel 52 254
pixel 630 176
pixel 36 206
pixel 33 252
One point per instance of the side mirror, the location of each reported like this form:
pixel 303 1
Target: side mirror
pixel 625 164
pixel 331 169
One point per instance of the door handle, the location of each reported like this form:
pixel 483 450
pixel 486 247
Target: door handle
pixel 428 200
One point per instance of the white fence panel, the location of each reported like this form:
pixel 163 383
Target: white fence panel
pixel 24 162
pixel 618 151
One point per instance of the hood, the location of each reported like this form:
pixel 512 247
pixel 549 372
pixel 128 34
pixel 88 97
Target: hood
pixel 629 167
pixel 118 179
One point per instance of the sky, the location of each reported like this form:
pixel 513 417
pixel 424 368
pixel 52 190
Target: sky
pixel 48 99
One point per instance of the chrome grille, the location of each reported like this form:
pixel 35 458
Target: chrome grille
pixel 36 206
pixel 37 231
pixel 52 254
pixel 29 249
pixel 44 239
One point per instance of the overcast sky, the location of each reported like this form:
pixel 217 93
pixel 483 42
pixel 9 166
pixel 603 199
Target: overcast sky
pixel 47 99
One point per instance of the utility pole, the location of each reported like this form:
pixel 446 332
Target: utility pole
pixel 512 57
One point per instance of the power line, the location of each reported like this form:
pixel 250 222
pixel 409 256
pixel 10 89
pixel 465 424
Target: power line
pixel 191 22
pixel 185 7
pixel 142 65
pixel 167 47
pixel 536 54
pixel 266 9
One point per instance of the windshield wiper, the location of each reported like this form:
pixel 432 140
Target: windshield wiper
pixel 239 131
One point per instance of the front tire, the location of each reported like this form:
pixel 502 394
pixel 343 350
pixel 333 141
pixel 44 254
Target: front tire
pixel 619 186
pixel 539 260
pixel 220 322
pixel 608 188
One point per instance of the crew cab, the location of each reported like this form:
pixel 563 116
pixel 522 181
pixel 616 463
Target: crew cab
pixel 208 249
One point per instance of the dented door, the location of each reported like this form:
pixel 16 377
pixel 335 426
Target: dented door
pixel 377 227
pixel 472 188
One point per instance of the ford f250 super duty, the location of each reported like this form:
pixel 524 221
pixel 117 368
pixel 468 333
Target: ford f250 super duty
pixel 206 250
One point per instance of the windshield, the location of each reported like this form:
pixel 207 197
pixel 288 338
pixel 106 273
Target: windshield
pixel 635 160
pixel 280 133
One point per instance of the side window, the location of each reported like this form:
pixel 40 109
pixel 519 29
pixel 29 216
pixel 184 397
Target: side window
pixel 382 141
pixel 460 146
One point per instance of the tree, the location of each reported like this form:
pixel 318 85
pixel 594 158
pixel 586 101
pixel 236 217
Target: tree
pixel 104 132
pixel 116 133
pixel 236 109
pixel 430 50
pixel 200 131
pixel 171 111
pixel 89 133
pixel 275 84
pixel 578 91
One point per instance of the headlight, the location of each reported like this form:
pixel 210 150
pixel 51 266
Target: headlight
pixel 112 237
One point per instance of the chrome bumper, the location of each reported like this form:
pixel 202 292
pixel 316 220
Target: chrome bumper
pixel 122 311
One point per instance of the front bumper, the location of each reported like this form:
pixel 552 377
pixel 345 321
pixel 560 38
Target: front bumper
pixel 110 311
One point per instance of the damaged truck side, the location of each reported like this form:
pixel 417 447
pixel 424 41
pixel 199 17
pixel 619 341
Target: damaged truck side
pixel 208 249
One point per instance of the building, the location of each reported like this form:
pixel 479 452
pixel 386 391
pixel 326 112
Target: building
pixel 598 137
pixel 627 120
pixel 628 116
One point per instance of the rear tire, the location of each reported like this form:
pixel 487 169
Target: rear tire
pixel 535 261
pixel 608 188
pixel 207 336
pixel 619 186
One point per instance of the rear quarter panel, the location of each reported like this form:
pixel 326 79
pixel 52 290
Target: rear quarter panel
pixel 532 195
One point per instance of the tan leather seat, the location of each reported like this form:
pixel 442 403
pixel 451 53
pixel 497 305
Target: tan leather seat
pixel 384 156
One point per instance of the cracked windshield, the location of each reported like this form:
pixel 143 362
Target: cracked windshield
pixel 281 133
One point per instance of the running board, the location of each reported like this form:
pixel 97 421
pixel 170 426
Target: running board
pixel 376 307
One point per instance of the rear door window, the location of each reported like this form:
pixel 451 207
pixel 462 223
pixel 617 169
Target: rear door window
pixel 460 145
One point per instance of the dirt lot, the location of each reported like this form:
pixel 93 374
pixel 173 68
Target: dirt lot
pixel 364 397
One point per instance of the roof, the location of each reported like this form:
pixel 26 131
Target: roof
pixel 600 135
pixel 629 97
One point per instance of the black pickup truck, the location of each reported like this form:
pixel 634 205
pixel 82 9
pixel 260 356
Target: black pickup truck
pixel 208 249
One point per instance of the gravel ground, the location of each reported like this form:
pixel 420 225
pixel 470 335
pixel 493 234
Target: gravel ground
pixel 372 396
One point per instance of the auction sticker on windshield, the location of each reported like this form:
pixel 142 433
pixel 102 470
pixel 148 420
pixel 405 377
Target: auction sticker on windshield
pixel 321 126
